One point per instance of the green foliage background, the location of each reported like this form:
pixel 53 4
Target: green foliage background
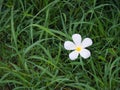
pixel 32 34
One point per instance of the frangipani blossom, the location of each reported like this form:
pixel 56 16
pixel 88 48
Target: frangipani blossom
pixel 78 46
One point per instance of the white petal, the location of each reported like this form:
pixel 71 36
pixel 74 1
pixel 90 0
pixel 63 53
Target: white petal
pixel 86 42
pixel 77 39
pixel 73 55
pixel 68 45
pixel 85 53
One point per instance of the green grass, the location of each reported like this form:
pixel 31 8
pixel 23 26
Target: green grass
pixel 32 34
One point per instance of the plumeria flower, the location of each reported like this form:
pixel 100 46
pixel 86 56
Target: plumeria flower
pixel 78 46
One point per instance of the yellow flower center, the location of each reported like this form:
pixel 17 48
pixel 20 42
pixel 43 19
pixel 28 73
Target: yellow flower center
pixel 78 48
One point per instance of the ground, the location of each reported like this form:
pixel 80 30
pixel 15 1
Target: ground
pixel 32 36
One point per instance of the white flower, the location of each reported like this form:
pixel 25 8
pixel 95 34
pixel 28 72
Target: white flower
pixel 78 46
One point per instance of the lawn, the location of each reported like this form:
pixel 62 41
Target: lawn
pixel 32 37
